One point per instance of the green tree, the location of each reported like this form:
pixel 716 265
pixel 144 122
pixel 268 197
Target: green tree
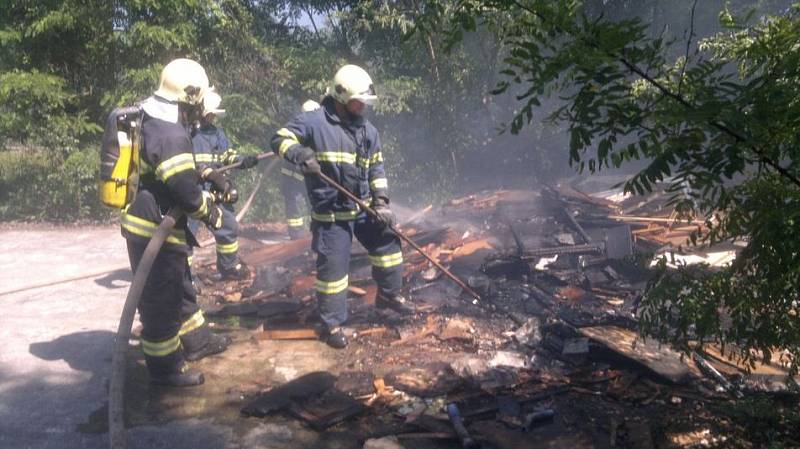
pixel 65 65
pixel 720 119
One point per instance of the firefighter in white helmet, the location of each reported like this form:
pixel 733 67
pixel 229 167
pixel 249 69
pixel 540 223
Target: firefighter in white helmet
pixel 173 327
pixel 212 151
pixel 293 190
pixel 337 140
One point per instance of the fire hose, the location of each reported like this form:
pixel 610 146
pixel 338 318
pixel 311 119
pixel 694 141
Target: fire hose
pixel 116 409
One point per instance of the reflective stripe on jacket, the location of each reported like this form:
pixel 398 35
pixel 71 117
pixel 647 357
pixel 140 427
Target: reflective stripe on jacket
pixel 211 148
pixel 169 179
pixel 349 153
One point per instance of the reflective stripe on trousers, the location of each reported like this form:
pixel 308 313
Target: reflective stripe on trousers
pixel 295 222
pixel 332 243
pixel 144 228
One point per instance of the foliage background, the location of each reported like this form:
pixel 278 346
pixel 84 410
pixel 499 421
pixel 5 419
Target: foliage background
pixel 65 64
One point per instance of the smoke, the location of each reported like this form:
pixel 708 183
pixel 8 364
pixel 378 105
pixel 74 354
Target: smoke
pixel 455 147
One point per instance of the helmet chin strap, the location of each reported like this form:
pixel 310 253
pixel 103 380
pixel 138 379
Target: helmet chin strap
pixel 350 116
pixel 344 113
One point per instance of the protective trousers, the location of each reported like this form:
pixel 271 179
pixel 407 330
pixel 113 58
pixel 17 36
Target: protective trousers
pixel 293 190
pixel 171 320
pixel 332 241
pixel 227 238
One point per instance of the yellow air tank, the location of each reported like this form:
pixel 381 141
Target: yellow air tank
pixel 114 191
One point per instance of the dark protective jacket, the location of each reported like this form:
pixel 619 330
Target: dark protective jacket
pixel 211 148
pixel 349 153
pixel 168 179
pixel 292 171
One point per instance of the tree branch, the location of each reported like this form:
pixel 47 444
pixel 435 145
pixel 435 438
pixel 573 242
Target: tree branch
pixel 307 10
pixel 666 92
pixel 688 45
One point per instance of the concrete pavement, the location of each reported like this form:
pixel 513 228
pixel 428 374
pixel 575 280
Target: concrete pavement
pixel 56 352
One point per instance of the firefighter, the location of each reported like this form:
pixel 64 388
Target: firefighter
pixel 338 141
pixel 293 190
pixel 173 327
pixel 212 151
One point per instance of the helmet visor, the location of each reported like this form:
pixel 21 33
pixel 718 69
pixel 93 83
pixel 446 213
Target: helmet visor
pixel 368 97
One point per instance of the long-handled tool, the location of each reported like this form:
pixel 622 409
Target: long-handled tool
pixel 267 170
pixel 238 164
pixel 399 234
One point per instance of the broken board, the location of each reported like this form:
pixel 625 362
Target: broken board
pixel 265 309
pixel 323 411
pixel 287 334
pixel 427 381
pixel 276 254
pixel 660 359
pixel 762 377
pixel 280 397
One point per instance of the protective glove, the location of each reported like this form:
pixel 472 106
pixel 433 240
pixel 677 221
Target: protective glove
pixel 214 217
pixel 385 216
pixel 219 183
pixel 230 156
pixel 221 187
pixel 308 162
pixel 248 161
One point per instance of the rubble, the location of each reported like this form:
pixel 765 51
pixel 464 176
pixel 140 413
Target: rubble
pixel 278 398
pixel 325 410
pixel 530 333
pixel 426 381
pixel 575 350
pixel 383 443
pixel 551 352
pixel 457 329
pixel 660 359
pixel 509 359
pixel 472 369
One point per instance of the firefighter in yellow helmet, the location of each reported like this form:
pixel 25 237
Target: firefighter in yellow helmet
pixel 293 190
pixel 173 327
pixel 337 140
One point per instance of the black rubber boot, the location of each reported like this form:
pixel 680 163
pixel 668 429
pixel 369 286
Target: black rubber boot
pixel 395 302
pixel 183 377
pixel 333 337
pixel 238 272
pixel 215 345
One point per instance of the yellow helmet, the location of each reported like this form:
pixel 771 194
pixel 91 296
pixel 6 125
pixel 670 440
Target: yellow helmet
pixel 211 102
pixel 183 80
pixel 351 82
pixel 310 105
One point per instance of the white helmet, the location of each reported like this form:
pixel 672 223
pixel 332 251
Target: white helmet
pixel 183 80
pixel 352 82
pixel 310 105
pixel 211 102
